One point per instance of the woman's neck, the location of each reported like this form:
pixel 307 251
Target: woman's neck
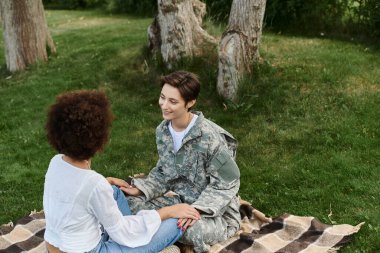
pixel 181 124
pixel 82 164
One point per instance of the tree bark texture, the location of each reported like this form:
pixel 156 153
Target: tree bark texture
pixel 176 31
pixel 239 46
pixel 26 35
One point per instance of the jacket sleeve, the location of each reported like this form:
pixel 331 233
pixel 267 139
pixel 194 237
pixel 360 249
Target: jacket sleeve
pixel 223 187
pixel 154 185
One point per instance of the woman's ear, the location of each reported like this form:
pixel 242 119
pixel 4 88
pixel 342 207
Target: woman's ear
pixel 191 103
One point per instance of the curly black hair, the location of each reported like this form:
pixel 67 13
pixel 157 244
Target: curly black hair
pixel 78 123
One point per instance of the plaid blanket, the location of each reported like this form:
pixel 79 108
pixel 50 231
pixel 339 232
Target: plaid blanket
pixel 259 234
pixel 27 235
pixel 288 234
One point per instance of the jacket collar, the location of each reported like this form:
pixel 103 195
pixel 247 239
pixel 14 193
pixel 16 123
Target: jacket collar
pixel 194 132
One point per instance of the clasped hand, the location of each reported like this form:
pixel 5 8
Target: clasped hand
pixel 186 214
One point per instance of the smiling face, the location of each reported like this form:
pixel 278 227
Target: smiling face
pixel 172 104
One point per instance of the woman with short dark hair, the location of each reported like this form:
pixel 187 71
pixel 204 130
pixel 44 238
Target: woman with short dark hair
pixel 83 212
pixel 196 161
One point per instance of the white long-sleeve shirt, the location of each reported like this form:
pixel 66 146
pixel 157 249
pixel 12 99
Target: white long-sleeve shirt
pixel 77 200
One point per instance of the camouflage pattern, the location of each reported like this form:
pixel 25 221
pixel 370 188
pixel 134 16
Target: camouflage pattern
pixel 202 173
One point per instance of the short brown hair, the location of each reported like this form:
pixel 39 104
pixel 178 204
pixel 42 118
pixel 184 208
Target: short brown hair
pixel 187 84
pixel 78 123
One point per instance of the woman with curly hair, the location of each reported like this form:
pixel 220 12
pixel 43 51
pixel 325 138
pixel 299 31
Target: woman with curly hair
pixel 85 212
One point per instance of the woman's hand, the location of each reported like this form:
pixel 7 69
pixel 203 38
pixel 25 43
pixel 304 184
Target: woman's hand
pixel 181 211
pixel 124 186
pixel 117 182
pixel 132 190
pixel 185 223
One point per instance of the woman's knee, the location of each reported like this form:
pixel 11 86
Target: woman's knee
pixel 170 227
pixel 116 191
pixel 170 224
pixel 121 201
pixel 204 232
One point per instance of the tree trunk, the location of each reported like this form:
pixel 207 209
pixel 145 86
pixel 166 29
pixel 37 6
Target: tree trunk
pixel 239 46
pixel 25 32
pixel 176 31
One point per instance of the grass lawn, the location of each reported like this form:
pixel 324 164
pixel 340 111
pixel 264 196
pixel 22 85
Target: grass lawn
pixel 307 121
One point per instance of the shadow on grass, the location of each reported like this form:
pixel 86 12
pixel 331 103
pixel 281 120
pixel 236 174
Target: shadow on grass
pixel 140 77
pixel 262 92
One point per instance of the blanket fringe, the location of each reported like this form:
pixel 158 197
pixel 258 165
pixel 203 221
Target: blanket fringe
pixel 259 215
pixel 357 227
pixel 9 224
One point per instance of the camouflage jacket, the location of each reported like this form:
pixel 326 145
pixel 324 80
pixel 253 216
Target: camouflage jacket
pixel 203 172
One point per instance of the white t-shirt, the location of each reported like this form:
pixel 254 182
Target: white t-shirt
pixel 77 200
pixel 178 136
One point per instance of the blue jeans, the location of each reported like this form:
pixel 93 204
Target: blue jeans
pixel 167 234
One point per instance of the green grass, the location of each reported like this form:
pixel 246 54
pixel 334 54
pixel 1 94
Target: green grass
pixel 307 120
